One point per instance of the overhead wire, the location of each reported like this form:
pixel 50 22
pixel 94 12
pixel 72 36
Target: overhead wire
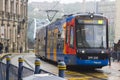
pixel 57 2
pixel 52 10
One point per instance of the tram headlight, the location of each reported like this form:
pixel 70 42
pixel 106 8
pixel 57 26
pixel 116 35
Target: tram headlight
pixel 91 16
pixel 83 51
pixel 102 52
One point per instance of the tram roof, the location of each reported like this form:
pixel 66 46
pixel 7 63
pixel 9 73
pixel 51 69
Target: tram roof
pixel 68 18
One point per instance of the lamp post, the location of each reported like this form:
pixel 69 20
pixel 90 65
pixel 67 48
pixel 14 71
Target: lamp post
pixel 7 45
pixel 18 36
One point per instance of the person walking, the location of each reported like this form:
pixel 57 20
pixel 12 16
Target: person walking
pixel 114 53
pixel 118 51
pixel 1 47
pixel 21 49
pixel 6 49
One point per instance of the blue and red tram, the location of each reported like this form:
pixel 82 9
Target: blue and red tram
pixel 80 39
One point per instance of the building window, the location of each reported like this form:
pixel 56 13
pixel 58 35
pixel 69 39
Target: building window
pixel 17 8
pixel 12 7
pixel 6 5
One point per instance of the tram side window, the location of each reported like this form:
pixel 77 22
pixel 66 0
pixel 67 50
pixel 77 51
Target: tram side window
pixel 67 34
pixel 60 41
pixel 72 37
pixel 49 39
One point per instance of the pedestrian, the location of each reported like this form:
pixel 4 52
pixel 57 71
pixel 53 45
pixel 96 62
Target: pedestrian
pixel 118 51
pixel 1 47
pixel 109 56
pixel 21 49
pixel 114 53
pixel 6 49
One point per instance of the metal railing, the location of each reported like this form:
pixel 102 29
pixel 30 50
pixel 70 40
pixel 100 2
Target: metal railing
pixel 11 72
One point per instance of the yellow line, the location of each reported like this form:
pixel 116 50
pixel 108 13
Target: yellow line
pixel 64 50
pixel 76 76
pixel 80 78
pixel 74 73
pixel 48 53
pixel 99 75
pixel 54 52
pixel 71 75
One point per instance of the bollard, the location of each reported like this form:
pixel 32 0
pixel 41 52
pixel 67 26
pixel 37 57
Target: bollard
pixel 20 68
pixel 62 68
pixel 7 67
pixel 37 66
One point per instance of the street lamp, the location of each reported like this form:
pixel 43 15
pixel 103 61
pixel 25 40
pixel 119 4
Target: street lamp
pixel 7 50
pixel 18 36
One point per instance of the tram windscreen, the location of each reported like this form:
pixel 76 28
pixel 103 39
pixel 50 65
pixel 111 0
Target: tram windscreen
pixel 91 35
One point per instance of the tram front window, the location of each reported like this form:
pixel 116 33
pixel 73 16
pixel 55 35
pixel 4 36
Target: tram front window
pixel 91 36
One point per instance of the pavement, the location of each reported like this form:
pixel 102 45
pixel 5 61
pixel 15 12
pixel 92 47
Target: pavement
pixel 114 66
pixel 30 59
pixel 112 71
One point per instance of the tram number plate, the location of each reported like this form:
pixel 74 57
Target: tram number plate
pixel 92 57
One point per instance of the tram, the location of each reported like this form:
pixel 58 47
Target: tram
pixel 78 39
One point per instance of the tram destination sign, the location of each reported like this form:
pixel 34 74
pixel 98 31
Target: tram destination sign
pixel 91 21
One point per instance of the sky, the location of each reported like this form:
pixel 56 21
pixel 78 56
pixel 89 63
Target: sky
pixel 61 1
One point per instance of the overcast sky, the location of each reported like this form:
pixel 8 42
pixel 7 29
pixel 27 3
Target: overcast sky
pixel 65 1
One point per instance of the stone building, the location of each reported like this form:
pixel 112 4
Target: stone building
pixel 109 10
pixel 13 24
pixel 117 22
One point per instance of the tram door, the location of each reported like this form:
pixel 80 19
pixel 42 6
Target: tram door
pixel 70 40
